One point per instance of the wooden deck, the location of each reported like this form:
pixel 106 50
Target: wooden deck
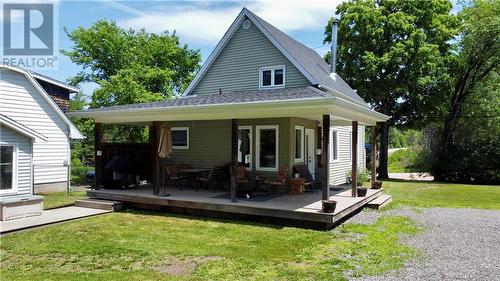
pixel 301 208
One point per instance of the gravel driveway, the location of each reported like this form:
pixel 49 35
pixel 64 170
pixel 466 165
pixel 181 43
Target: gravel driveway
pixel 456 244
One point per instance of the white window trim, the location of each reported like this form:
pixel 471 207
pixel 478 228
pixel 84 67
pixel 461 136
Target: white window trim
pixel 272 68
pixel 301 128
pixel 257 147
pixel 181 129
pixel 334 146
pixel 251 145
pixel 14 188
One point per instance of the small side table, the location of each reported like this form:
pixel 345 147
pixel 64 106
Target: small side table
pixel 296 186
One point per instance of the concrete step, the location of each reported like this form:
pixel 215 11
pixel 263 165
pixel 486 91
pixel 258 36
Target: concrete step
pixel 99 204
pixel 379 202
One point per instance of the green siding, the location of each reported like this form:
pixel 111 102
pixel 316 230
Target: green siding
pixel 237 66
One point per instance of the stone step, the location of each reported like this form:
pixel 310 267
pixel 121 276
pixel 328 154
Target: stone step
pixel 99 204
pixel 379 202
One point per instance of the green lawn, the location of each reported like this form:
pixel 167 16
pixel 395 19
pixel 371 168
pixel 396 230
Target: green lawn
pixel 61 199
pixel 138 246
pixel 431 194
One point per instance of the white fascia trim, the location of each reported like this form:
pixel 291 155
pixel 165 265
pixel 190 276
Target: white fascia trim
pixel 57 83
pixel 302 102
pixel 377 116
pixel 228 35
pixel 74 132
pixel 215 53
pixel 21 128
pixel 342 95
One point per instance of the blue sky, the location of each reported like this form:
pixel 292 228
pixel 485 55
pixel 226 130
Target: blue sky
pixel 200 24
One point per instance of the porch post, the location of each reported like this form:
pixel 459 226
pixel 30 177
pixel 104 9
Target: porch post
pixel 234 157
pixel 97 156
pixel 153 142
pixel 354 160
pixel 325 153
pixel 374 154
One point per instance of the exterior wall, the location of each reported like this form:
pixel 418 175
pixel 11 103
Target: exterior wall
pixel 58 94
pixel 51 187
pixel 21 102
pixel 339 168
pixel 24 174
pixel 237 66
pixel 307 124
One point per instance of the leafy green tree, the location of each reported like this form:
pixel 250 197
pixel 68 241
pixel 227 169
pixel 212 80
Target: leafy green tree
pixel 130 67
pixel 476 66
pixel 82 152
pixel 395 53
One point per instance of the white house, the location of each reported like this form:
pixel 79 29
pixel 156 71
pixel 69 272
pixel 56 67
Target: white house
pixel 35 134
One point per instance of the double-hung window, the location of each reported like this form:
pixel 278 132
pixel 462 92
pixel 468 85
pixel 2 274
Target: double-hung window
pixel 272 77
pixel 267 138
pixel 180 137
pixel 8 168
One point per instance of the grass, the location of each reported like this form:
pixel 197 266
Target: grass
pixel 432 194
pixel 61 199
pixel 135 245
pixel 408 160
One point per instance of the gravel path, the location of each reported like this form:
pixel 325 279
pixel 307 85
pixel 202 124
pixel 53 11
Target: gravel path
pixel 456 244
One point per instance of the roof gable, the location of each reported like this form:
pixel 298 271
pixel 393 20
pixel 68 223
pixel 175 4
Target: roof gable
pixel 306 60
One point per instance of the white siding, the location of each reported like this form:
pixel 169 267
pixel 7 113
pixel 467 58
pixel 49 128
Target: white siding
pixel 339 168
pixel 23 163
pixel 23 103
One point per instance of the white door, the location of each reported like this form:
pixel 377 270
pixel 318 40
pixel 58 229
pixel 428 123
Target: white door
pixel 309 144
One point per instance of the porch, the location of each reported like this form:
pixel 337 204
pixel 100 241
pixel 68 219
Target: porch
pixel 268 207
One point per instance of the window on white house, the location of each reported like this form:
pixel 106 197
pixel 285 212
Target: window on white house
pixel 272 77
pixel 299 143
pixel 245 146
pixel 180 137
pixel 267 148
pixel 334 152
pixel 7 167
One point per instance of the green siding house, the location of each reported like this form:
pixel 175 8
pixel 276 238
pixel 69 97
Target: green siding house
pixel 277 94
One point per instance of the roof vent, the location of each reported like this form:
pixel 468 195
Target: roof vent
pixel 246 24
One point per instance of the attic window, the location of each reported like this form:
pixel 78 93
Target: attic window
pixel 272 77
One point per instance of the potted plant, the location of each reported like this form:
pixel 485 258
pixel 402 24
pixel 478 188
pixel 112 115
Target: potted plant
pixel 376 185
pixel 328 206
pixel 361 191
pixel 363 176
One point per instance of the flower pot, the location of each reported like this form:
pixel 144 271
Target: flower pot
pixel 376 185
pixel 328 206
pixel 362 191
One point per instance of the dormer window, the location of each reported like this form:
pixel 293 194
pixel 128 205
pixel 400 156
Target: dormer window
pixel 272 77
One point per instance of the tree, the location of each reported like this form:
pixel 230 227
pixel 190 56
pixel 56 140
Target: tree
pixel 130 66
pixel 82 150
pixel 475 66
pixel 394 53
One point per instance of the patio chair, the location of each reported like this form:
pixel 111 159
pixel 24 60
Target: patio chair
pixel 214 177
pixel 310 183
pixel 280 179
pixel 173 175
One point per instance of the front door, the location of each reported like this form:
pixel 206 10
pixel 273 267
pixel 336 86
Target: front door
pixel 309 143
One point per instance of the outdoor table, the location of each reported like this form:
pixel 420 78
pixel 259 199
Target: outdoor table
pixel 191 174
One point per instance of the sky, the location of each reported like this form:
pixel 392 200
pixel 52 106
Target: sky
pixel 200 24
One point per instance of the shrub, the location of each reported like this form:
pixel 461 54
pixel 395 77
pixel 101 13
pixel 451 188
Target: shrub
pixel 78 173
pixel 363 176
pixel 413 159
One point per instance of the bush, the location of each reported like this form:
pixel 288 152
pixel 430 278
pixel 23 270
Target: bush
pixel 78 173
pixel 363 176
pixel 413 159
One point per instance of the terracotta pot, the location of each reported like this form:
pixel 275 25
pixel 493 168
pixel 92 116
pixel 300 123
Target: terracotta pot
pixel 362 191
pixel 376 185
pixel 328 206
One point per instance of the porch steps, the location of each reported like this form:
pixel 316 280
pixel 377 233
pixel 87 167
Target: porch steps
pixel 379 202
pixel 99 204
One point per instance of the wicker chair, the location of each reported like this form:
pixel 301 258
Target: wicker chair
pixel 280 179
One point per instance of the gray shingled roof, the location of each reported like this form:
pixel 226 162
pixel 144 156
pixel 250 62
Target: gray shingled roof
pixel 312 62
pixel 231 97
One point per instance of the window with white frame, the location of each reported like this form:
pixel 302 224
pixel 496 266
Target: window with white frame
pixel 267 147
pixel 180 137
pixel 334 140
pixel 8 168
pixel 299 143
pixel 245 146
pixel 272 77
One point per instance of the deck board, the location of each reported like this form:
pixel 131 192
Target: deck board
pixel 304 207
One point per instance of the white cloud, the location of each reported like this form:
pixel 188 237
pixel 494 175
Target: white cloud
pixel 203 23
